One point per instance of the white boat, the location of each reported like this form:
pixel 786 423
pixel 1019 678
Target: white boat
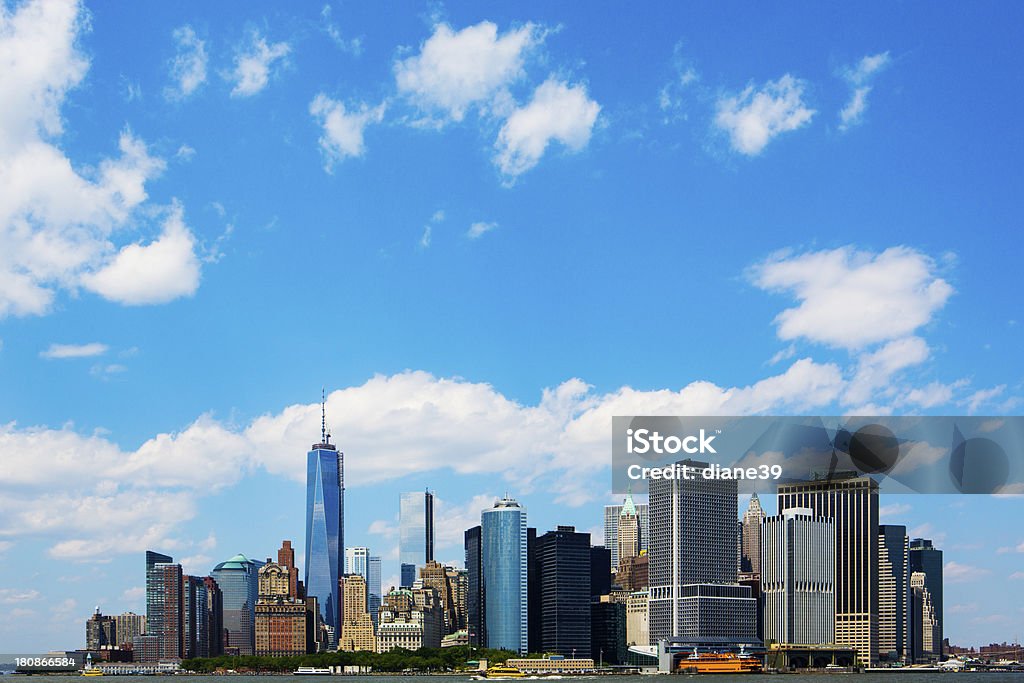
pixel 312 671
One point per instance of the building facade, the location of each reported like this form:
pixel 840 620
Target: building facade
pixel 563 575
pixel 196 617
pixel 750 536
pixel 927 559
pixel 238 580
pixel 415 533
pixel 798 569
pixel 475 603
pixel 504 563
pixel 611 528
pixel 357 633
pixel 893 593
pixel 127 626
pixel 852 502
pixel 280 625
pixel 100 631
pixel 325 530
pixel 925 641
pixel 694 594
pixel 638 630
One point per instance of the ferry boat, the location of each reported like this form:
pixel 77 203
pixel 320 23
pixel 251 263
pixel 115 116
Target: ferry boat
pixel 92 672
pixel 720 663
pixel 312 671
pixel 499 671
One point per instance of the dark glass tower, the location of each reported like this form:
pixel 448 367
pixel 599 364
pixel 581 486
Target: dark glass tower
pixel 563 567
pixel 415 534
pixel 925 557
pixel 475 593
pixel 325 529
pixel 239 586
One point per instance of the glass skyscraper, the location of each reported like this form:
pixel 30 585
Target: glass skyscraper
pixel 325 530
pixel 415 533
pixel 239 587
pixel 359 561
pixel 503 551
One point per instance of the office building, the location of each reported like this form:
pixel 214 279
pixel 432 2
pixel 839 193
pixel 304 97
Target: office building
pixel 798 567
pixel 612 513
pixel 563 569
pixel 634 573
pixel 926 645
pixel 750 536
pixel 127 626
pixel 357 633
pixel 155 592
pixel 638 630
pixel 628 536
pixel 100 631
pixel 358 560
pixel 165 607
pixel 694 594
pixel 608 631
pixel 238 580
pixel 600 571
pixel 475 601
pixel 215 617
pixel 146 649
pixel 325 529
pixel 852 502
pixel 504 561
pixel 927 559
pixel 410 619
pixel 280 622
pixel 893 593
pixel 286 559
pixel 415 533
pixel 196 617
pixel 444 581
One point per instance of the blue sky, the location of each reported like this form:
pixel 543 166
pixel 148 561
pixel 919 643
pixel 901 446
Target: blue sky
pixel 485 230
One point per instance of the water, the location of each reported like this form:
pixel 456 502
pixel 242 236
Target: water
pixel 922 677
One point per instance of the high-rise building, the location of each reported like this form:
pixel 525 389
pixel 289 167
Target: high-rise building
pixel 925 642
pixel 893 593
pixel 475 601
pixel 694 595
pixel 325 529
pixel 100 631
pixel 611 528
pixel 196 617
pixel 155 592
pixel 608 631
pixel 600 571
pixel 628 535
pixel 359 561
pixel 357 633
pixel 563 568
pixel 852 501
pixel 503 540
pixel 415 533
pixel 280 621
pixel 215 617
pixel 927 559
pixel 127 626
pixel 444 581
pixel 410 619
pixel 634 573
pixel 638 631
pixel 165 615
pixel 750 535
pixel 798 568
pixel 286 559
pixel 459 581
pixel 238 580
pixel 356 560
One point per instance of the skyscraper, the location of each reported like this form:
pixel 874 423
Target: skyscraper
pixel 127 626
pixel 239 585
pixel 286 558
pixel 750 534
pixel 927 559
pixel 373 587
pixel 503 535
pixel 628 535
pixel 415 533
pixel 215 617
pixel 475 601
pixel 611 528
pixel 155 592
pixel 893 593
pixel 926 644
pixel 563 568
pixel 100 631
pixel 280 625
pixel 165 605
pixel 196 617
pixel 797 562
pixel 694 596
pixel 357 632
pixel 852 502
pixel 325 528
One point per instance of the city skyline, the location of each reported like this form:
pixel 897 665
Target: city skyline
pixel 211 212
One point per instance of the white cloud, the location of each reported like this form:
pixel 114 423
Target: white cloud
pixel 754 117
pixel 134 594
pixel 455 70
pixel 428 231
pixel 451 521
pixel 477 230
pixel 557 112
pixel 983 396
pixel 185 153
pixel 9 596
pixel 859 77
pixel 188 68
pixel 1017 576
pixel 163 270
pixel 955 572
pixel 671 97
pixel 894 510
pixel 57 224
pixel 850 298
pixel 342 130
pixel 197 565
pixel 875 370
pixel 74 350
pixel 254 63
pixel 353 46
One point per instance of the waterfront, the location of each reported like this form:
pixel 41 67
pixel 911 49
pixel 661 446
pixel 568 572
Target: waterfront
pixel 873 677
